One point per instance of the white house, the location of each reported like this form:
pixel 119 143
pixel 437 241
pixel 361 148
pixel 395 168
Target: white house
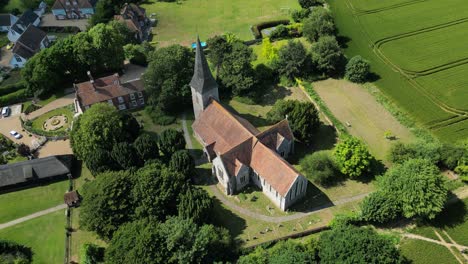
pixel 73 9
pixel 27 18
pixel 6 21
pixel 29 43
pixel 240 153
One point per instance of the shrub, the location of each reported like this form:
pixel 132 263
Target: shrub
pixel 399 153
pixel 299 15
pixel 319 167
pixel 357 69
pixel 257 29
pixel 309 3
pixel 380 208
pixel 23 150
pixel 281 31
pixel 13 98
pixel 318 24
pixel 12 252
pixel 91 254
pixel 10 88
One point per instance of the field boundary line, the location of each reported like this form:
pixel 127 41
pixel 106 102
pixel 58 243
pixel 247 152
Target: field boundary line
pixel 361 12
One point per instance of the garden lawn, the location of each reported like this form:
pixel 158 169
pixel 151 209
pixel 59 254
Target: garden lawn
pixel 13 4
pixel 28 201
pixel 38 123
pixel 45 235
pixel 149 126
pixel 422 252
pixel 181 22
pixel 362 31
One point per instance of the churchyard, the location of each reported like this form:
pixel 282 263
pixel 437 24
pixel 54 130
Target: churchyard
pixel 407 39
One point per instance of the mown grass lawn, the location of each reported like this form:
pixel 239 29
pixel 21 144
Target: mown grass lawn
pixel 67 111
pixel 45 235
pixel 181 22
pixel 25 202
pixel 422 252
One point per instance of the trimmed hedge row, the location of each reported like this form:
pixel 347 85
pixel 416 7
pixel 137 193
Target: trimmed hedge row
pixel 257 29
pixel 13 98
pixel 7 89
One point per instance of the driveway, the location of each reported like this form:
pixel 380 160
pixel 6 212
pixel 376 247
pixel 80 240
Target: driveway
pixel 5 57
pixel 48 20
pixel 132 72
pixel 13 123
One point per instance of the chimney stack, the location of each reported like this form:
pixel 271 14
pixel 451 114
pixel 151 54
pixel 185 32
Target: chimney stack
pixel 117 79
pixel 91 79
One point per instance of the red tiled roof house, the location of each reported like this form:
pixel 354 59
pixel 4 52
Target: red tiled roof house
pixel 111 90
pixel 240 153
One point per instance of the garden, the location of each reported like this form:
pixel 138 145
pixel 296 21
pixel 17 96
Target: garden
pixel 54 123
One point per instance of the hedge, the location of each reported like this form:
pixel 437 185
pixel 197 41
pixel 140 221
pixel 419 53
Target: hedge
pixel 16 250
pixel 7 89
pixel 13 98
pixel 257 29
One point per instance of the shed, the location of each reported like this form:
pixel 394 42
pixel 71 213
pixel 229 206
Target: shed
pixel 72 199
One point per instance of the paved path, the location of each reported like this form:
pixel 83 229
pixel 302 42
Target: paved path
pixel 60 102
pixel 187 137
pixel 32 216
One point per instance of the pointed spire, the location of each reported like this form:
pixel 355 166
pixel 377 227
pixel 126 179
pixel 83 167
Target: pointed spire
pixel 202 79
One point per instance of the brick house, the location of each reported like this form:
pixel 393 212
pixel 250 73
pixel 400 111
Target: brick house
pixel 134 17
pixel 111 90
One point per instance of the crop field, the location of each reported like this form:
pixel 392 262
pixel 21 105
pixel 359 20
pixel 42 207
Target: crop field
pixel 418 50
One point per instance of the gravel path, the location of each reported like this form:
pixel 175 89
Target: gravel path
pixel 60 102
pixel 32 216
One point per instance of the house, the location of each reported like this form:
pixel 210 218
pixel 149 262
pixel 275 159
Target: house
pixel 111 90
pixel 29 43
pixel 6 21
pixel 240 153
pixel 36 170
pixel 134 17
pixel 73 9
pixel 72 199
pixel 27 18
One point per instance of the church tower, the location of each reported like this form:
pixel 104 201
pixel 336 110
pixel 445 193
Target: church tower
pixel 203 85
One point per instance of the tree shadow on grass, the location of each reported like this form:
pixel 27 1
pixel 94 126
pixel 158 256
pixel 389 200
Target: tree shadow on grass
pixel 256 121
pixel 453 214
pixel 343 41
pixel 314 200
pixel 377 167
pixel 225 218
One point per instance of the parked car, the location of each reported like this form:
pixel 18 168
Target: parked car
pixel 6 111
pixel 16 134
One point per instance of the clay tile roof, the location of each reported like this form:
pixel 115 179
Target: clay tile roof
pixel 234 140
pixel 105 88
pixel 274 169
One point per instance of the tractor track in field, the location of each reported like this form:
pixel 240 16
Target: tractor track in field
pixel 457 113
pixel 361 12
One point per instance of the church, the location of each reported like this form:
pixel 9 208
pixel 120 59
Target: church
pixel 240 153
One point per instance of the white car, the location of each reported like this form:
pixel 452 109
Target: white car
pixel 15 134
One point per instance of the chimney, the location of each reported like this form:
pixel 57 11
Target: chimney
pixel 117 79
pixel 91 79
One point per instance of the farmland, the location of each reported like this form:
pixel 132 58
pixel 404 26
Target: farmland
pixel 417 50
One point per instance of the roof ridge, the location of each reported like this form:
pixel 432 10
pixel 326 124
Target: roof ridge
pixel 231 115
pixel 280 158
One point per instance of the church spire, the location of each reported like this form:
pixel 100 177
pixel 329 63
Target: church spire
pixel 202 79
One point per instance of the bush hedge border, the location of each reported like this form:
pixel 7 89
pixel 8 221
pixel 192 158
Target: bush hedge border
pixel 257 28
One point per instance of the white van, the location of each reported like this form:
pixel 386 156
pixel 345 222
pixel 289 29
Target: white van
pixel 6 111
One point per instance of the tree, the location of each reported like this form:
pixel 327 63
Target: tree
pixel 100 160
pixel 357 69
pixel 167 78
pixel 12 252
pixel 349 244
pixel 125 155
pixel 302 116
pixel 219 47
pixel 100 127
pixel 308 3
pixel 327 54
pixel 300 15
pixel 236 72
pixel 138 53
pixel 182 162
pixel 269 51
pixel 318 24
pixel 146 147
pixel 319 167
pixel 170 141
pixel 380 207
pixel 287 251
pixel 352 157
pixel 91 254
pixel 418 186
pixel 400 152
pixel 108 41
pixel 23 150
pixel 174 241
pixel 292 61
pixel 195 204
pixel 156 190
pixel 106 204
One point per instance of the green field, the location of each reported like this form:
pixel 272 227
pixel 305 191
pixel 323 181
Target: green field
pixel 416 48
pixel 45 235
pixel 422 252
pixel 181 22
pixel 25 202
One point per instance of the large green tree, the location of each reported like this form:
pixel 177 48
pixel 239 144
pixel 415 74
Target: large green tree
pixel 288 251
pixel 349 244
pixel 318 24
pixel 167 78
pixel 218 47
pixel 182 162
pixel 196 204
pixel 327 55
pixel 176 240
pixel 170 141
pixel 107 203
pixel 100 127
pixel 302 116
pixel 380 207
pixel 352 157
pixel 125 155
pixel 292 60
pixel 418 186
pixel 357 69
pixel 147 147
pixel 319 167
